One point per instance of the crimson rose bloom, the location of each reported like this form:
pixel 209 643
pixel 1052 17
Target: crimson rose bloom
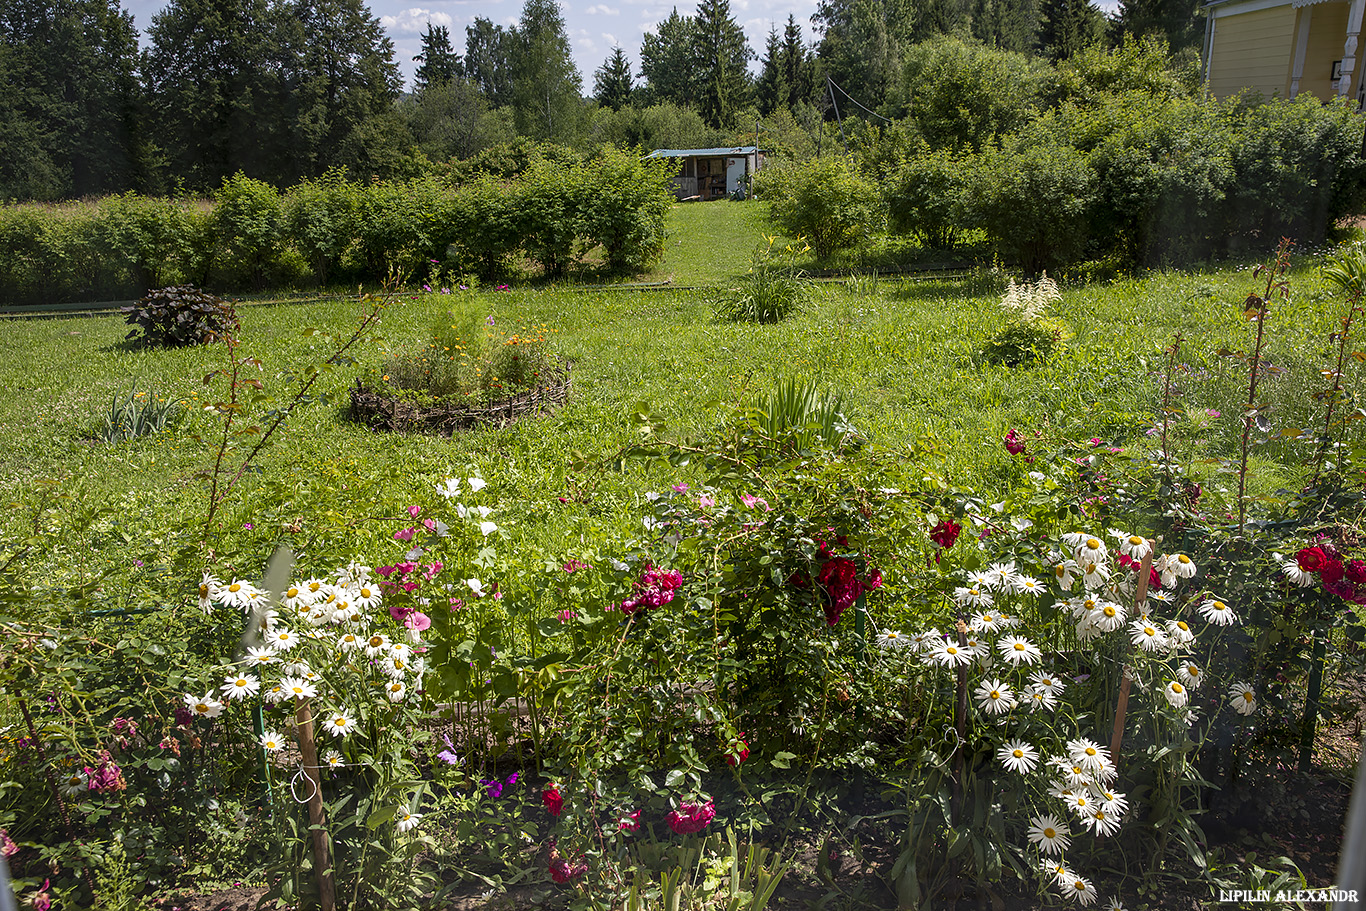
pixel 734 760
pixel 553 800
pixel 1311 559
pixel 1356 571
pixel 1332 571
pixel 690 818
pixel 945 534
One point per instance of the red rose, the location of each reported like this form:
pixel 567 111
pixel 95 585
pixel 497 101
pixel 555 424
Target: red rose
pixel 945 533
pixel 1332 571
pixel 739 752
pixel 1356 571
pixel 553 800
pixel 690 818
pixel 1311 559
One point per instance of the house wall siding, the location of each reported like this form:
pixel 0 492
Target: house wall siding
pixel 1253 50
pixel 1327 35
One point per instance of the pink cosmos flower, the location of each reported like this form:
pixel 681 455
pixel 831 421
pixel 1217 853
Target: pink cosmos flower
pixel 418 621
pixel 414 511
pixel 405 534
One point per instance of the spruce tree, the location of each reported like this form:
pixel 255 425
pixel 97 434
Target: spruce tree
pixel 440 62
pixel 1068 26
pixel 722 55
pixel 612 81
pixel 488 60
pixel 771 91
pixel 667 63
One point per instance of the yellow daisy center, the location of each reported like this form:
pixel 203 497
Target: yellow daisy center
pixel 1018 754
pixel 234 588
pixel 1092 543
pixel 1178 688
pixel 340 722
pixel 1050 832
pixel 1135 540
pixel 1019 646
pixel 1090 751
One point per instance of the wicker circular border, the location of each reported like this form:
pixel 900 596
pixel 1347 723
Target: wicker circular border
pixel 380 410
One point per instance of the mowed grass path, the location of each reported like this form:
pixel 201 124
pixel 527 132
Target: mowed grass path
pixel 905 354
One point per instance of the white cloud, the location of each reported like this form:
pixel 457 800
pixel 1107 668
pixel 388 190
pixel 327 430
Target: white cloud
pixel 603 10
pixel 414 20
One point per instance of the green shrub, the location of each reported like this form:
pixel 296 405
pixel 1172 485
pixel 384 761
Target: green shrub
pixel 962 94
pixel 826 201
pixel 1298 168
pixel 1034 202
pixel 183 315
pixel 928 197
pixel 149 239
pixel 546 199
pixel 625 200
pixel 247 229
pixel 773 288
pixel 319 218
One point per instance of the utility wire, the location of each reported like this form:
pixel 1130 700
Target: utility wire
pixel 856 102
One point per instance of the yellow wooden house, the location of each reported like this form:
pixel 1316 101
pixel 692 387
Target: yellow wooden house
pixel 1283 48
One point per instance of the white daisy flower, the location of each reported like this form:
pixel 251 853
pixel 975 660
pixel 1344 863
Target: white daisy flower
pixel 334 759
pixel 1189 673
pixel 298 688
pixel 1147 636
pixel 272 741
pixel 260 657
pixel 995 697
pixel 395 666
pixel 295 597
pixel 1078 888
pixel 1102 821
pixel 986 622
pixel 238 593
pixel 376 645
pixel 367 596
pixel 1040 699
pixel 967 596
pixel 1181 566
pixel 1218 613
pixel 75 784
pixel 348 642
pixel 282 639
pixel 1019 650
pixel 1049 833
pixel 395 690
pixel 979 578
pixel 1112 801
pixel 949 654
pixel 1243 699
pixel 1114 904
pixel 1028 585
pixel 1057 870
pixel 354 574
pixel 405 821
pixel 205 706
pixel 1090 549
pixel 1081 803
pixel 1179 631
pixel 893 639
pixel 1135 547
pixel 275 695
pixel 1160 597
pixel 208 592
pixel 1093 575
pixel 1176 694
pixel 1065 574
pixel 400 650
pixel 339 724
pixel 1292 571
pixel 239 685
pixel 1108 616
pixel 1000 576
pixel 1090 755
pixel 1047 682
pixel 1018 756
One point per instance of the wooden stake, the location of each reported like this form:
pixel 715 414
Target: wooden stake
pixel 1140 595
pixel 317 818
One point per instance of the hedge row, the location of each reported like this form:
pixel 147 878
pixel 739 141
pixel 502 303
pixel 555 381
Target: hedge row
pixel 331 230
pixel 1131 178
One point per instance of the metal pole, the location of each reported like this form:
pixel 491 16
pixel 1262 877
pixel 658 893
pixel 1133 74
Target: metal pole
pixel 1352 866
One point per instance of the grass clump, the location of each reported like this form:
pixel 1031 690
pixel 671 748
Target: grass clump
pixel 134 414
pixel 773 289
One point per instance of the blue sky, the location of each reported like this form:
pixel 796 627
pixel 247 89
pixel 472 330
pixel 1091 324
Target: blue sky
pixel 593 26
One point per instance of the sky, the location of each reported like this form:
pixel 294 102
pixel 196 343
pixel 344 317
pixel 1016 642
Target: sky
pixel 593 26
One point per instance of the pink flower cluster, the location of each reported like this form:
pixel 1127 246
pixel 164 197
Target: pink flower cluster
pixel 840 581
pixel 107 776
pixel 655 588
pixel 406 575
pixel 7 846
pixel 690 817
pixel 562 870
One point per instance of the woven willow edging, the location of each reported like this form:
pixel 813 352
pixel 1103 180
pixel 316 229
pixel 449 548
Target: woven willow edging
pixel 381 410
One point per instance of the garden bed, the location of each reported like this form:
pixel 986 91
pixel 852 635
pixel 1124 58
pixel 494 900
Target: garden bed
pixel 380 409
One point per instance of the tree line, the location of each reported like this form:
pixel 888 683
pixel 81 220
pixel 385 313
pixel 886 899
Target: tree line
pixel 286 90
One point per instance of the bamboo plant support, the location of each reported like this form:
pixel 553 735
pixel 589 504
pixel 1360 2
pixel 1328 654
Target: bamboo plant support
pixel 1122 706
pixel 317 817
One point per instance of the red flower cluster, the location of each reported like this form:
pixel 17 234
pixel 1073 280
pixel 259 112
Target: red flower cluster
pixel 691 817
pixel 839 580
pixel 1347 579
pixel 655 588
pixel 945 534
pixel 561 870
pixel 553 800
pixel 107 777
pixel 1014 445
pixel 739 751
pixel 1154 580
pixel 630 822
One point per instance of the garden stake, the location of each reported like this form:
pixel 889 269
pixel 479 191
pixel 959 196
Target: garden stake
pixel 317 819
pixel 258 726
pixel 960 718
pixel 1140 595
pixel 56 794
pixel 1311 703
